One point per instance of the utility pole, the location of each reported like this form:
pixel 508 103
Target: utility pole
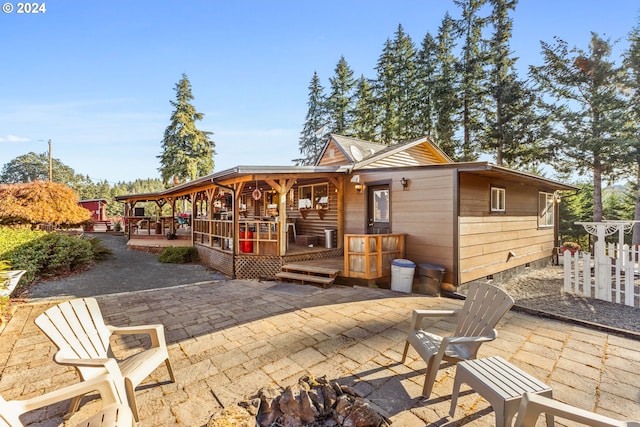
pixel 50 164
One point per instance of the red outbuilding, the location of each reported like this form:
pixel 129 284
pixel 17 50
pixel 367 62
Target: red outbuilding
pixel 97 207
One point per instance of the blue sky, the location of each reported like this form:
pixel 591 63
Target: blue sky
pixel 96 77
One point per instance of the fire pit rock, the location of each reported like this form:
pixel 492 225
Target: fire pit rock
pixel 313 402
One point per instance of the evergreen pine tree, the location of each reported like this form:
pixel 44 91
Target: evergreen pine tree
pixel 395 89
pixel 588 115
pixel 446 86
pixel 512 124
pixel 364 113
pixel 405 69
pixel 472 77
pixel 386 95
pixel 340 101
pixel 315 127
pixel 425 86
pixel 632 64
pixel 187 152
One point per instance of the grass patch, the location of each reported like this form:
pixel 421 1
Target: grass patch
pixel 179 255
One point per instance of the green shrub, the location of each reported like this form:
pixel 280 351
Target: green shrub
pixel 179 255
pixel 44 254
pixel 51 255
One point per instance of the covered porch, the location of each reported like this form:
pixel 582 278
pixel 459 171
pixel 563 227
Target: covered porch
pixel 248 222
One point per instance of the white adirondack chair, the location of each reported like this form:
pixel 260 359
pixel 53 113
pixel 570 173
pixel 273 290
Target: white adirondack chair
pixel 532 405
pixel 114 412
pixel 77 328
pixel 9 280
pixel 485 305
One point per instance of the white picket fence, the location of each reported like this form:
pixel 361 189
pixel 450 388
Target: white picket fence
pixel 606 277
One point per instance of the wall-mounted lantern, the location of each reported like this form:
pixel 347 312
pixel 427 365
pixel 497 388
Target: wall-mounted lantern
pixel 405 183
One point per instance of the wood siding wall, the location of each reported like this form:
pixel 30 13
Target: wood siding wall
pixel 333 156
pixel 414 156
pixel 487 238
pixel 424 212
pixel 314 224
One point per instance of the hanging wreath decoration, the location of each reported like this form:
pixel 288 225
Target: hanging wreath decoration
pixel 257 194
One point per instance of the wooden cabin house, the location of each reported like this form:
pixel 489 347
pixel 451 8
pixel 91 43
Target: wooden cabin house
pixel 362 205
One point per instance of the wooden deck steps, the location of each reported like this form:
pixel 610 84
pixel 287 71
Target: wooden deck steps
pixel 311 274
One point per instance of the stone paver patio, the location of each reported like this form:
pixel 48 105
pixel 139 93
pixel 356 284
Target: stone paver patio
pixel 228 339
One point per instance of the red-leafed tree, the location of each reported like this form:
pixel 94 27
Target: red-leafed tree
pixel 39 202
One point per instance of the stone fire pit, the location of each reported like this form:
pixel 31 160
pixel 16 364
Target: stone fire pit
pixel 313 402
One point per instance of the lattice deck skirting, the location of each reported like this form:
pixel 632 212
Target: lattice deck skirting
pixel 216 259
pixel 256 266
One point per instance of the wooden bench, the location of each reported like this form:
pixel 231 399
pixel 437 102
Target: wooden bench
pixel 501 383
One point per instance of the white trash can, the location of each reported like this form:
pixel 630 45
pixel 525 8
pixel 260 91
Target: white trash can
pixel 402 272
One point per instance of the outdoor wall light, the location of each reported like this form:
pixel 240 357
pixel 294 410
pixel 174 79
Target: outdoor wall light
pixel 356 180
pixel 405 183
pixel 556 196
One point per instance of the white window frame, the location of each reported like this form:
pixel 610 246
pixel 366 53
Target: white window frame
pixel 546 211
pixel 498 199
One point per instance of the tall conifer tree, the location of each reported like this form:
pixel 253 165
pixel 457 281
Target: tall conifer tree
pixel 386 95
pixel 512 125
pixel 446 88
pixel 315 127
pixel 395 88
pixel 340 102
pixel 588 115
pixel 632 64
pixel 364 113
pixel 405 66
pixel 471 64
pixel 187 152
pixel 425 86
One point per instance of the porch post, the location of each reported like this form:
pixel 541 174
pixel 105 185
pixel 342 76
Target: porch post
pixel 172 226
pixel 239 188
pixel 339 184
pixel 282 187
pixel 282 219
pixel 194 214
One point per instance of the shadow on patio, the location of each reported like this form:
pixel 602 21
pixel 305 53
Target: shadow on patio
pixel 228 339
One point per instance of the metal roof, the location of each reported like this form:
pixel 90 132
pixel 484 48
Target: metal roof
pixel 231 173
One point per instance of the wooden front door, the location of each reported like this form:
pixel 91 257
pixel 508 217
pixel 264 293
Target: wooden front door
pixel 378 204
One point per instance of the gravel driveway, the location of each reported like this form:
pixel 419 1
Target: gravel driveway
pixel 127 270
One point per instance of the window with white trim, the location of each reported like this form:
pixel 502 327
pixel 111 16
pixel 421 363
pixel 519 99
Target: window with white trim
pixel 498 199
pixel 546 213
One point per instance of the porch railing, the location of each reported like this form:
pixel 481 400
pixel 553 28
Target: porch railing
pixel 369 256
pixel 256 237
pixel 259 237
pixel 217 233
